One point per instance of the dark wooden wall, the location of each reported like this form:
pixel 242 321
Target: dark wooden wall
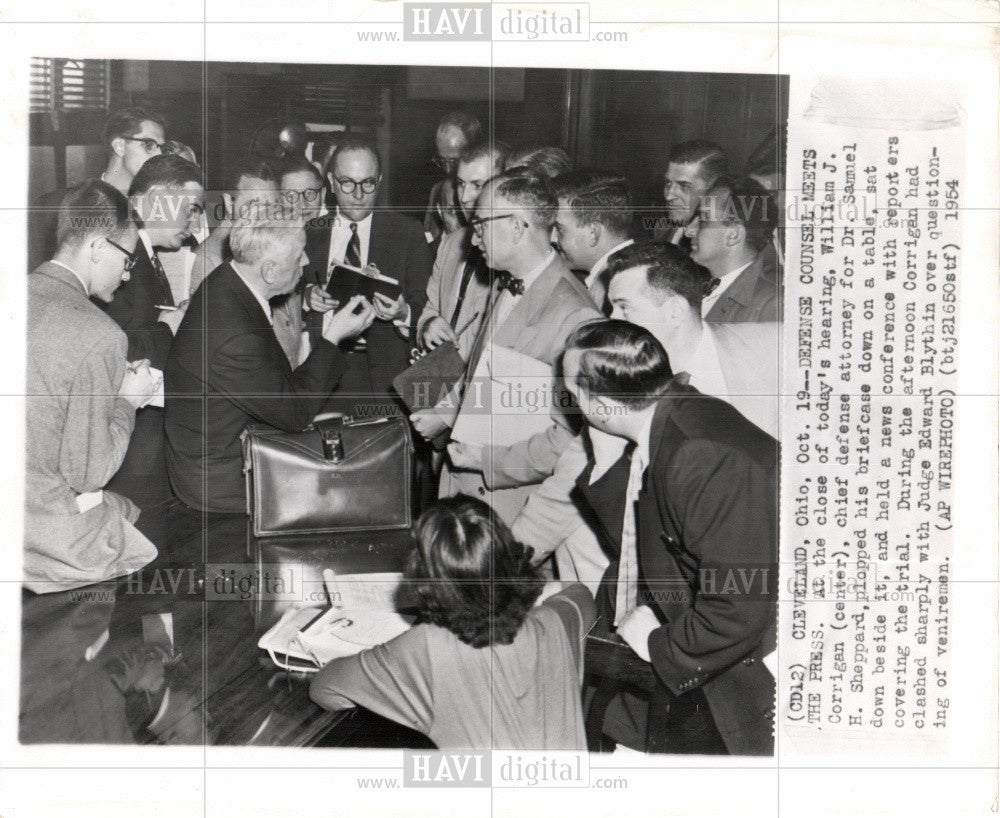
pixel 623 120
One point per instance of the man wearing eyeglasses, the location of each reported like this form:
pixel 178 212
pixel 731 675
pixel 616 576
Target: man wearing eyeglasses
pixel 532 308
pixel 167 201
pixel 456 131
pixel 131 136
pixel 82 395
pixel 360 234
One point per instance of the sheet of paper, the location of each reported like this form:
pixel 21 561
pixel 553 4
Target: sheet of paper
pixel 509 398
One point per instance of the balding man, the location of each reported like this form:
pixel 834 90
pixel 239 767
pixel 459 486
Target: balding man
pixel 456 131
pixel 227 369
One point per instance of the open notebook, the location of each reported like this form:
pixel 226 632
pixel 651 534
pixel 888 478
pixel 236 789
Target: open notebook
pixel 363 615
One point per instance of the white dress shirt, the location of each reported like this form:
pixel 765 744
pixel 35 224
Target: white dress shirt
pixel 340 236
pixel 602 262
pixel 705 368
pixel 627 593
pixel 506 300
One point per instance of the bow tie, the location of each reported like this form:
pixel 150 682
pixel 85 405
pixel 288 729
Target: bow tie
pixel 712 285
pixel 506 281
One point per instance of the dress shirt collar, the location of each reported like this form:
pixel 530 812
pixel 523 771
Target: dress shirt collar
pixel 341 221
pixel 144 238
pixel 535 272
pixel 642 443
pixel 83 284
pixel 724 284
pixel 264 305
pixel 602 262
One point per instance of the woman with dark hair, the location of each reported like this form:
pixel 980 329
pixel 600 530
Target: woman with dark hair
pixel 489 665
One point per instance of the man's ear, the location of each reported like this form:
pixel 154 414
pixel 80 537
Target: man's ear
pixel 98 247
pixel 736 235
pixel 594 233
pixel 118 146
pixel 267 269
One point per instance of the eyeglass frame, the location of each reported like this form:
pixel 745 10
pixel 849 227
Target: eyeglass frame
pixel 477 222
pixel 131 258
pixel 164 147
pixel 355 184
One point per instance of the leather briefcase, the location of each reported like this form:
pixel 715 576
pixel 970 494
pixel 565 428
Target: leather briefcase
pixel 339 474
pixel 289 570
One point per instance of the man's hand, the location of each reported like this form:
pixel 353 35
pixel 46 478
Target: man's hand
pixel 172 318
pixel 345 323
pixel 428 423
pixel 319 300
pixel 436 332
pixel 389 310
pixel 465 456
pixel 636 627
pixel 139 385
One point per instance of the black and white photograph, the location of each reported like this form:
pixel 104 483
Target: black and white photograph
pixel 500 409
pixel 356 390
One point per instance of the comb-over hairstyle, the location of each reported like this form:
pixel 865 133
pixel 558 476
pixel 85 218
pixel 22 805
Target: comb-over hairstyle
pixel 597 197
pixel 264 231
pixel 470 127
pixel 710 158
pixel 128 122
pixel 529 191
pixel 669 271
pixel 547 160
pixel 166 170
pixel 91 209
pixel 621 361
pixel 742 200
pixel 470 575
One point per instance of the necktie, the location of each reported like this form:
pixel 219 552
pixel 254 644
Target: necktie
pixel 627 590
pixel 467 273
pixel 506 281
pixel 477 346
pixel 166 296
pixel 353 254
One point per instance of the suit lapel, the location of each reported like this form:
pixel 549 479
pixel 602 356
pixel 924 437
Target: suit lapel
pixel 531 307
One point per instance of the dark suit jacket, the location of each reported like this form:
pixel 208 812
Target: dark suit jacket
pixel 755 295
pixel 134 310
pixel 398 248
pixel 225 370
pixel 707 543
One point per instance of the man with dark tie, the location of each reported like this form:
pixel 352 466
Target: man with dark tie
pixel 692 168
pixel 359 234
pixel 594 220
pixel 732 236
pixel 691 505
pixel 167 200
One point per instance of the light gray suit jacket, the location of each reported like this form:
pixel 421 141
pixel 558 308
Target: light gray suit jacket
pixel 77 430
pixel 553 306
pixel 442 290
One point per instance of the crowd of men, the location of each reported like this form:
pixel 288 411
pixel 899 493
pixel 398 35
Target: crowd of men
pixel 154 341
